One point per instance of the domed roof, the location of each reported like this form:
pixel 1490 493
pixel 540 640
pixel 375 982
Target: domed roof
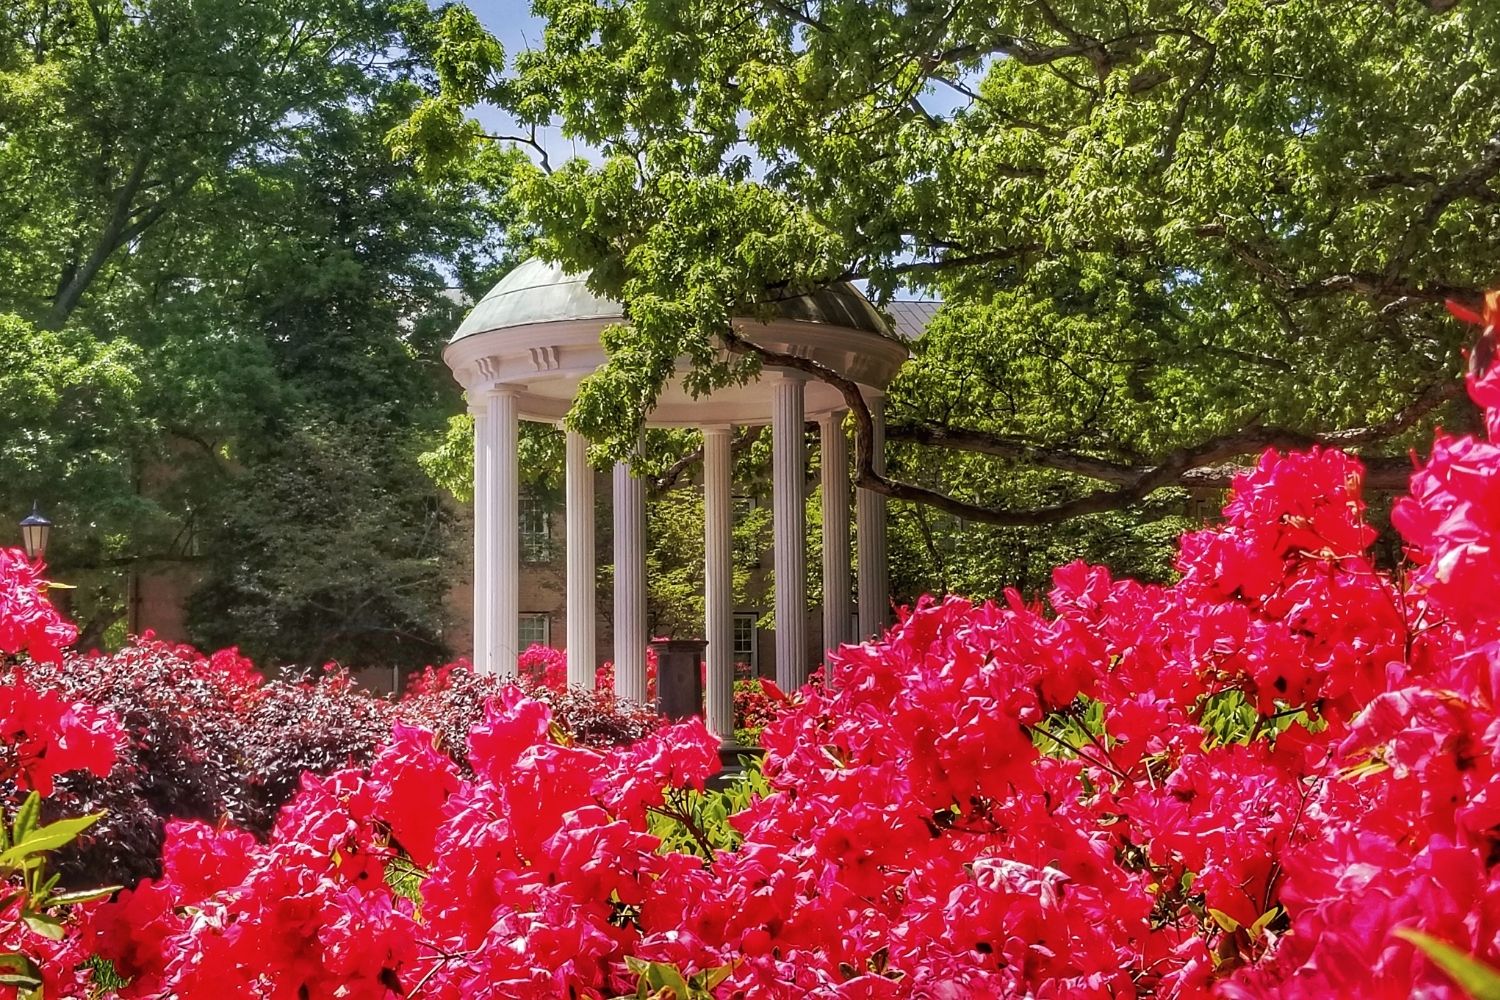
pixel 536 291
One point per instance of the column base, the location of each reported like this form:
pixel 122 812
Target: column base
pixel 732 767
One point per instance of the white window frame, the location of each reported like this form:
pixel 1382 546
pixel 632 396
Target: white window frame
pixel 753 659
pixel 535 529
pixel 533 618
pixel 741 506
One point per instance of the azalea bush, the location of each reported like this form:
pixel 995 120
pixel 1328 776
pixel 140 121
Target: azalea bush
pixel 1271 778
pixel 450 700
pixel 757 703
pixel 44 739
pixel 211 739
pixel 542 668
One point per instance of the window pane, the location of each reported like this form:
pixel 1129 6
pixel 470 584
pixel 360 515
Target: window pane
pixel 744 636
pixel 534 630
pixel 536 531
pixel 745 658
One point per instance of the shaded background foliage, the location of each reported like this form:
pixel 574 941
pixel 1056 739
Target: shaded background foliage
pixel 230 232
pixel 228 302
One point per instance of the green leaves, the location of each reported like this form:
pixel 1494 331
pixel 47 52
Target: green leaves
pixel 662 981
pixel 1477 979
pixel 1150 224
pixel 26 848
pixel 435 137
pixel 21 973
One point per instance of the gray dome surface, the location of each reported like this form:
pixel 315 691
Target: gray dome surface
pixel 536 291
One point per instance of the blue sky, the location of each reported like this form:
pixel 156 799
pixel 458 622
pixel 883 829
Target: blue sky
pixel 518 29
pixel 511 21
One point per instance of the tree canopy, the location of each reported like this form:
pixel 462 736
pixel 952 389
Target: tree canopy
pixel 1165 234
pixel 229 300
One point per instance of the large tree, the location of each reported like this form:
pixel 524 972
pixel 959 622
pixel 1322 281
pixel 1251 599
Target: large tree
pixel 233 298
pixel 117 115
pixel 1166 234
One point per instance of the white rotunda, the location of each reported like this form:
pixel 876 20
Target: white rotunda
pixel 520 355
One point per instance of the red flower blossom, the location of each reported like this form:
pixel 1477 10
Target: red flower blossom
pixel 28 622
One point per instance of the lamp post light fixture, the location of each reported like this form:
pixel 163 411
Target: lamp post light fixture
pixel 35 529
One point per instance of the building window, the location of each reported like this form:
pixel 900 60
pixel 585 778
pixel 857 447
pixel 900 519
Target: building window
pixel 535 630
pixel 745 646
pixel 536 531
pixel 746 551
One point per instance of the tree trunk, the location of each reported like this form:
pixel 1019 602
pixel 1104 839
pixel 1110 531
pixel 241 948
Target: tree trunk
pixel 118 230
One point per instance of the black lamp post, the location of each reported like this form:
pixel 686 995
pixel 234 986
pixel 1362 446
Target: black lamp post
pixel 35 530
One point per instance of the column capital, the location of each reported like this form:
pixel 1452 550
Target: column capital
pixel 501 390
pixel 787 375
pixel 716 429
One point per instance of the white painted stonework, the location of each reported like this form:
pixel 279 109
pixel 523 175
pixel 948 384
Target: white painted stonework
pixel 521 354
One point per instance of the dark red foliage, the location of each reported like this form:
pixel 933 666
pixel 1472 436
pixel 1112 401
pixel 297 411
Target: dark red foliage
pixel 182 714
pixel 292 728
pixel 210 739
pixel 450 700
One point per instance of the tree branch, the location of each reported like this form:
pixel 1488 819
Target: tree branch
pixel 544 161
pixel 668 479
pixel 1465 183
pixel 1180 113
pixel 78 275
pixel 947 263
pixel 1198 465
pixel 1014 449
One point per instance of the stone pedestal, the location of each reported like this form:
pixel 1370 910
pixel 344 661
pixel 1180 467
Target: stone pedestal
pixel 732 764
pixel 679 677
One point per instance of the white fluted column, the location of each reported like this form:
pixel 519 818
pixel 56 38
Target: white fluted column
pixel 834 462
pixel 789 517
pixel 630 584
pixel 582 583
pixel 718 580
pixel 870 515
pixel 504 533
pixel 482 518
